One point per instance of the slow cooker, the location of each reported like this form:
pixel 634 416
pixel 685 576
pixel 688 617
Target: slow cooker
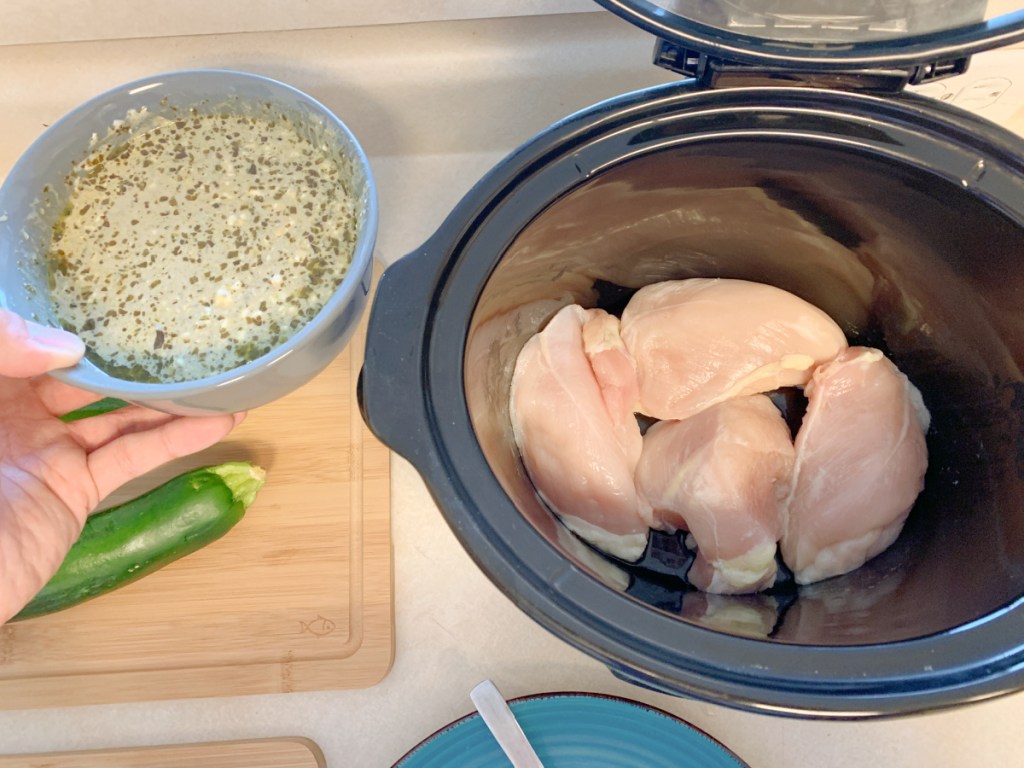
pixel 788 153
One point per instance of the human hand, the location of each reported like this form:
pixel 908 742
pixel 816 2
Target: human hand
pixel 53 474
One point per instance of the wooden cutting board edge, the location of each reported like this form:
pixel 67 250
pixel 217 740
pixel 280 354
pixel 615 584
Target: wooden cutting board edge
pixel 277 752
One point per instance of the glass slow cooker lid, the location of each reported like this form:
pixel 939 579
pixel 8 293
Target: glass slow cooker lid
pixel 928 38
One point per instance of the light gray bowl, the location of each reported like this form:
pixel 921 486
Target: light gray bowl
pixel 24 238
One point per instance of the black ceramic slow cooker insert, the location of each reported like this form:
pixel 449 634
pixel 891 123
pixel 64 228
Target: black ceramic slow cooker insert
pixel 788 153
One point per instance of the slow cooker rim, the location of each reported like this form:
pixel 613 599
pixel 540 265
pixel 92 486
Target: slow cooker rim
pixel 534 561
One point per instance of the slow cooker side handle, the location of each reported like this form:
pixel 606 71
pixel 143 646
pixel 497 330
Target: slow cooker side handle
pixel 390 389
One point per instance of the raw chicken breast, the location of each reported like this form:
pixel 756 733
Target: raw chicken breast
pixel 860 463
pixel 722 475
pixel 580 455
pixel 701 341
pixel 615 373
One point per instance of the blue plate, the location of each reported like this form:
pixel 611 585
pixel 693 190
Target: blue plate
pixel 575 730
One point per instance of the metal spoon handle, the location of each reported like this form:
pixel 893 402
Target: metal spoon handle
pixel 503 725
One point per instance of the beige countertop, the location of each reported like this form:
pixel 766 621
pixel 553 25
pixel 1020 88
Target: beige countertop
pixel 436 105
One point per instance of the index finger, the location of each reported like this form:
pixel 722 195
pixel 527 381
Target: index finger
pixel 135 453
pixel 60 398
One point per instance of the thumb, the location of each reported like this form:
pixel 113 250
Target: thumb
pixel 29 349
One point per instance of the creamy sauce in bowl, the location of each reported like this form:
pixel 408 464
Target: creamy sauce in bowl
pixel 189 245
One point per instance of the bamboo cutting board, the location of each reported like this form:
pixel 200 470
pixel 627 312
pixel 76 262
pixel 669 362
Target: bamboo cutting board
pixel 296 597
pixel 256 753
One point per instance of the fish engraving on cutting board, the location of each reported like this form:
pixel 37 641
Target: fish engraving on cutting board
pixel 318 627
